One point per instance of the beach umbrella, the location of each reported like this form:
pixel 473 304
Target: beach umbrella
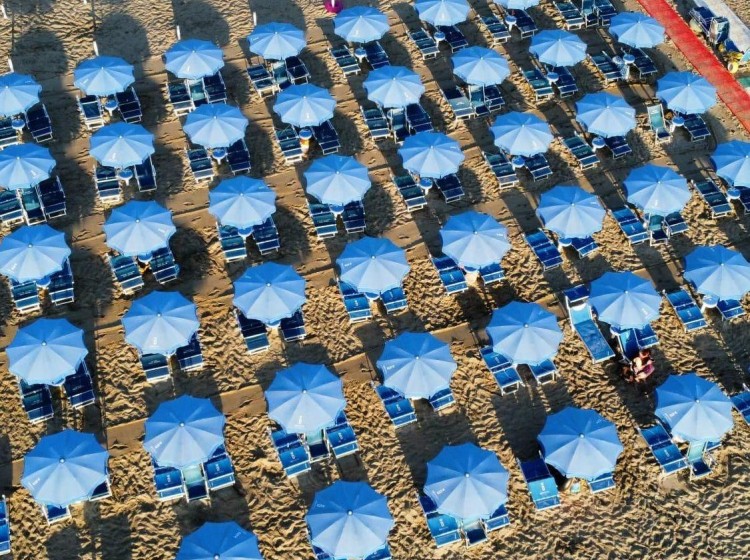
pixel 215 125
pixel 517 4
pixel 474 240
pixel 219 541
pixel 558 48
pixel 636 30
pixel 121 145
pixel 360 24
pixel 524 332
pixel 304 105
pixel 393 87
pixel 480 66
pixel 686 92
pixel 276 41
pixel 193 59
pixel 624 300
pixel 732 162
pixel 184 432
pixel 580 443
pixel 64 468
pixel 431 154
pixel 349 520
pixel 521 134
pixel 373 265
pixel 337 180
pixel 160 323
pixel 46 351
pixel 442 12
pixel 571 212
pixel 694 408
pixel 103 75
pixel 269 292
pixel 657 190
pixel 719 272
pixel 18 92
pixel 25 165
pixel 305 398
pixel 32 253
pixel 242 202
pixel 466 482
pixel 605 114
pixel 139 228
pixel 417 365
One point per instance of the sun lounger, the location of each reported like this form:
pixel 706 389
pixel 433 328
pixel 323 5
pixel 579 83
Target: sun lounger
pixel 583 323
pixel 292 453
pixel 168 482
pixel 179 98
pixel 200 164
pixel 190 356
pixel 538 166
pixel 699 460
pixel 546 251
pixel 39 123
pixel 354 217
pixel 399 408
pixel 326 137
pixel 609 71
pixel 474 532
pixel 289 144
pixel 55 514
pixel 496 28
pixel 675 223
pixel 197 92
pixel 628 344
pixel 451 276
pixel 502 370
pixel 493 98
pixel 194 483
pixel 156 367
pixel 412 193
pixel 454 37
pixel 126 273
pixel 686 309
pixel 656 121
pixel 261 80
pixel 36 401
pixel 215 88
pixel 459 103
pixel 605 11
pixel 375 55
pixel 357 305
pixel 345 60
pixel 502 168
pixel 618 145
pixel 491 273
pixel 342 440
pixel 583 246
pixel 79 387
pixel 424 43
pixel 450 187
pixel 254 332
pixel 4 527
pixel 163 266
pixel 279 75
pixel 145 175
pixel 646 337
pixel 443 528
pixel 107 184
pixel 565 84
pixel 545 372
pixel 376 122
pixel 589 13
pixel 323 219
pixel 394 300
pixel 571 15
pixel 642 63
pixel 741 403
pixel 52 196
pixel 477 101
pixel 716 200
pixel 582 151
pixel 9 136
pixel 11 210
pixel 542 486
pixel 383 553
pixel 219 470
pixel 696 128
pixel 524 22
pixel 60 288
pixel 266 237
pixel 498 519
pixel 296 70
pixel 397 124
pixel 33 211
pixel 25 296
pixel 417 119
pixel 539 84
pixel 630 225
pixel 91 111
pixel 129 106
pixel 601 483
pixel 442 399
pixel 730 309
pixel 238 157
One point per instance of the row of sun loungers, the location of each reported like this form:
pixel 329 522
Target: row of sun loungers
pixel 37 399
pixel 59 288
pixel 195 483
pixel 34 205
pixel 357 304
pixel 446 530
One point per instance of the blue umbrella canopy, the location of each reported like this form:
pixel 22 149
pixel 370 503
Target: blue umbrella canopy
pixel 431 154
pixel 636 30
pixel 215 125
pixel 304 105
pixel 657 190
pixel 349 520
pixel 473 239
pixel 719 272
pixel 393 86
pixel 442 12
pixel 605 114
pixel 18 92
pixel 360 24
pixel 225 541
pixel 732 162
pixel 694 409
pixel 480 66
pixel 521 134
pixel 269 292
pixel 276 41
pixel 624 300
pixel 139 228
pixel 571 212
pixel 373 265
pixel 417 365
pixel 686 92
pixel 46 351
pixel 305 398
pixel 32 252
pixel 580 443
pixel 517 4
pixel 558 47
pixel 184 432
pixel 103 75
pixel 64 468
pixel 24 165
pixel 160 322
pixel 466 482
pixel 193 59
pixel 121 145
pixel 337 180
pixel 525 333
pixel 242 202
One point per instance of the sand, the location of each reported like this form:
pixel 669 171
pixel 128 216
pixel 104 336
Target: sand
pixel 642 518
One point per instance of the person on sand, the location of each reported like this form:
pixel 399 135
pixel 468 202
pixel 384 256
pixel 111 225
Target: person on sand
pixel 641 367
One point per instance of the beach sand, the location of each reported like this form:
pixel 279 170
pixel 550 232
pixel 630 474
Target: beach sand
pixel 641 518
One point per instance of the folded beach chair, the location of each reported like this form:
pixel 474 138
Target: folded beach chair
pixel 477 101
pixel 618 145
pixel 583 246
pixel 33 210
pixel 491 273
pixel 601 483
pixel 55 514
pixel 542 486
pixel 502 168
pixel 741 402
pixel 376 55
pixel 730 309
pixel 442 399
pixel 79 387
pixel 524 22
pixel 544 372
pixel 571 15
pixel 291 451
pixel 498 519
pixel 288 142
pixel 190 356
pixel 376 122
pixel 107 184
pixel 424 43
pixel 399 408
pixel 454 37
pixel 357 305
pixel 126 273
pixel 656 121
pixel 296 70
pixel 538 166
pixel 156 367
pixel 451 276
pixel 412 193
pixel 4 527
pixel 539 84
pixel 630 225
pixel 60 289
pixel 280 75
pixel 342 440
pixel 496 28
pixel 219 470
pixel 145 175
pixel 696 128
pixel 266 237
pixel 25 296
pixel 544 249
pixel 716 200
pixel 582 151
pixel 417 119
pixel 194 483
pixel 345 60
pixel 200 164
pixel 443 528
pixel 179 98
pixel 215 88
pixel 163 266
pixel 397 124
pixel 502 369
pixel 168 482
pixel 459 103
pixel 261 80
pixel 293 328
pixel 394 300
pixel 609 71
pixel 582 321
pixel 642 63
pixel 39 123
pixel 129 105
pixel 254 332
pixel 701 463
pixel 686 309
pixel 326 137
pixel 91 111
pixel 566 84
pixel 450 187
pixel 36 401
pixel 52 195
pixel 605 11
pixel 323 219
pixel 11 210
pixel 197 92
pixel 474 532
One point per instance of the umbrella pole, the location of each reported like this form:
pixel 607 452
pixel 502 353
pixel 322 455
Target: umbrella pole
pixel 2 7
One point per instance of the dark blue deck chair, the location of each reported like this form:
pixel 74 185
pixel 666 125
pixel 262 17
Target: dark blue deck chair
pixel 582 321
pixel 345 60
pixel 296 70
pixel 190 356
pixel 11 211
pixel 451 276
pixel 55 514
pixel 443 528
pixel 474 532
pixel 493 98
pixel 442 399
pixel 280 75
pixel 583 246
pixel 459 103
pixel 52 195
pixel 605 11
pixel 219 470
pixel 39 123
pixel 200 164
pixel 394 300
pixel 618 146
pixel 675 223
pixel 25 296
pixel 195 484
pixel 292 453
pixel 572 18
pixel 496 28
pixel 524 22
pixel 79 387
pixel 90 108
pixel 238 157
pixel 491 274
pixel 477 100
pixel 261 80
pixel 696 128
pixel 498 519
pixel 357 305
pixel 232 243
pixel 741 403
pixel 502 370
pixel 646 337
pixel 156 367
pixel 36 401
pixel 293 328
pixel 397 124
pixel 107 184
pixel 714 198
pixel 323 219
pixel 399 408
pixel 450 188
pixel 375 55
pixel 179 98
pixel 454 37
pixel 541 484
pixel 608 70
pixel 33 210
pixel 326 137
pixel 425 43
pixel 687 309
pixel 215 88
pixel 163 265
pixel 254 332
pixel 60 289
pixel 145 175
pixel 168 482
pixel 699 460
pixel 417 119
pixel 289 144
pixel 666 453
pixel 582 151
pixel 542 246
pixel 126 273
pixel 317 446
pixel 266 237
pixel 539 84
pixel 342 440
pixel 544 372
pixel 129 106
pixel 642 63
pixel 376 122
pixel 730 309
pixel 197 92
pixel 601 483
pixel 538 166
pixel 412 193
pixel 630 225
pixel 354 217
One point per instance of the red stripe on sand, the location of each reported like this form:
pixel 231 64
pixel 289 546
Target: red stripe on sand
pixel 702 58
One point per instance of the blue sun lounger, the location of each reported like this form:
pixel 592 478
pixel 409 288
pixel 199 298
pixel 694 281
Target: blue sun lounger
pixel 197 92
pixel 657 122
pixel 9 136
pixel 25 296
pixel 126 273
pixel 496 28
pixel 60 289
pixel 4 527
pixel 342 440
pixel 383 553
pixel 730 309
pixel 375 55
pixel 145 176
pixel 571 15
pixel 33 211
pixel 90 108
pixel 443 528
pixel 10 207
pixel 478 102
pixel 582 321
pixel 266 237
pixel 453 36
pixel 491 274
pixel 442 399
pixel 254 332
pixel 451 276
pixel 399 408
pixel 539 84
pixel 397 124
pixel 289 144
pixel 219 470
pixel 293 328
pixel 317 446
pixel 524 22
pixel 646 337
pixel 459 103
pixel 79 387
pixel 542 246
pixel 216 89
pixel 376 122
pixel 502 370
pixel 345 60
pixel 190 356
pixel 450 188
pixel 326 137
pixel 200 164
pixel 666 453
pixel 179 98
pixel 163 265
pixel 741 402
pixel 493 98
pixel 156 367
pixel 630 225
pixel 699 460
pixel 238 157
pixel 716 200
pixel 642 63
pixel 168 482
pixel 696 128
pixel 544 372
pixel 425 43
pixel 412 193
pixel 394 300
pixel 542 486
pixel 566 84
pixel 354 217
pixel 686 309
pixel 605 11
pixel 55 514
pixel 323 219
pixel 291 452
pixel 499 519
pixel 502 168
pixel 417 119
pixel 52 195
pixel 107 184
pixel 474 532
pixel 232 243
pixel 609 71
pixel 36 401
pixel 194 483
pixel 357 305
pixel 129 105
pixel 601 483
pixel 261 80
pixel 618 146
pixel 39 123
pixel 583 246
pixel 538 166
